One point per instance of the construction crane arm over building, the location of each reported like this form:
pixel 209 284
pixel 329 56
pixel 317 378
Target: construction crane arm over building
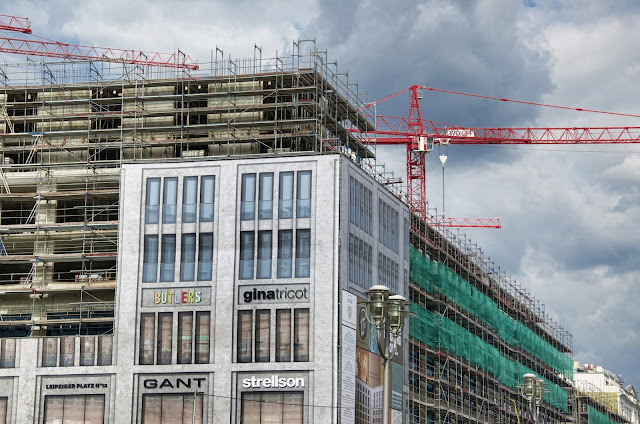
pixel 15 23
pixel 49 48
pixel 419 136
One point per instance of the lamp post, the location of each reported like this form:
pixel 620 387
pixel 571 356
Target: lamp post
pixel 533 391
pixel 195 397
pixel 388 312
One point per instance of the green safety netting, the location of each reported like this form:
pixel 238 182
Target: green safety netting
pixel 438 278
pixel 597 417
pixel 439 331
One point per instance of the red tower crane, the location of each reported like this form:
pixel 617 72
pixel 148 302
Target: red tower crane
pixel 50 48
pixel 419 136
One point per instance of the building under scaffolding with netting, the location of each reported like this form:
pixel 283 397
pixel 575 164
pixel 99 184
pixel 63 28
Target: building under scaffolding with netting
pixel 68 128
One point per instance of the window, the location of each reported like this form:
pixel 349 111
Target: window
pixel 205 257
pixel 152 203
pixel 8 359
pixel 254 335
pixel 105 349
pixel 265 205
pixel 303 253
pixel 285 204
pixel 303 201
pixel 263 335
pixel 74 409
pixel 150 261
pixel 87 351
pixel 264 254
pixel 147 337
pixel 272 407
pixel 246 255
pixel 49 352
pixel 188 257
pixel 189 198
pixel 285 253
pixel 165 330
pixel 169 200
pixel 185 337
pixel 3 409
pixel 245 324
pixel 248 197
pixel 283 335
pixel 171 408
pixel 168 258
pixel 207 192
pixel 301 336
pixel 203 324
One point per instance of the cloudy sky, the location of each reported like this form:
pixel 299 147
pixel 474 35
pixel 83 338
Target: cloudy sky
pixel 569 213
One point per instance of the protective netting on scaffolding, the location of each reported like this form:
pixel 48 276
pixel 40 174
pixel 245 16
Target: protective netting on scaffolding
pixel 438 278
pixel 439 331
pixel 597 417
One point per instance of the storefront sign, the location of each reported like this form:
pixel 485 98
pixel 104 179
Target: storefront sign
pixel 292 293
pixel 177 296
pixel 173 383
pixel 66 386
pixel 273 382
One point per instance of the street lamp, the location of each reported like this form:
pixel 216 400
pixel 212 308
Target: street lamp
pixel 389 312
pixel 533 391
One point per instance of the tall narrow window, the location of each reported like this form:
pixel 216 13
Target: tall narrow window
pixel 264 254
pixel 245 326
pixel 8 359
pixel 301 335
pixel 147 338
pixel 150 260
pixel 188 257
pixel 263 335
pixel 165 329
pixel 246 255
pixel 168 257
pixel 265 206
pixel 105 350
pixel 205 257
pixel 185 337
pixel 87 350
pixel 283 335
pixel 189 199
pixel 285 252
pixel 169 200
pixel 49 352
pixel 352 198
pixel 203 338
pixel 285 204
pixel 152 203
pixel 303 201
pixel 207 192
pixel 303 253
pixel 248 197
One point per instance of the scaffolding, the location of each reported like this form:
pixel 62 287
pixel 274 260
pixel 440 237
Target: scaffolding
pixel 66 128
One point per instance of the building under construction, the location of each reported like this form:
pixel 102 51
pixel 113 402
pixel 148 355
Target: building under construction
pixel 69 127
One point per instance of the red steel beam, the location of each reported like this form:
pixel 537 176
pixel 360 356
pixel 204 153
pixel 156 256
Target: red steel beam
pixel 15 23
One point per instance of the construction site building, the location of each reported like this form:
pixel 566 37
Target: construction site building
pixel 69 127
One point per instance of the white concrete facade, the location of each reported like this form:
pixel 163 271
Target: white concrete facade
pixel 220 381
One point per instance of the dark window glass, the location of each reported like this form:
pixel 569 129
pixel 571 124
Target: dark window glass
pixel 169 200
pixel 168 258
pixel 246 255
pixel 189 199
pixel 285 253
pixel 248 197
pixel 150 260
pixel 245 327
pixel 285 203
pixel 303 253
pixel 301 335
pixel 188 257
pixel 264 254
pixel 205 257
pixel 207 192
pixel 152 203
pixel 303 201
pixel 265 206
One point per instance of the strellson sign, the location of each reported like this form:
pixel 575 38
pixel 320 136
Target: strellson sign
pixel 273 382
pixel 291 293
